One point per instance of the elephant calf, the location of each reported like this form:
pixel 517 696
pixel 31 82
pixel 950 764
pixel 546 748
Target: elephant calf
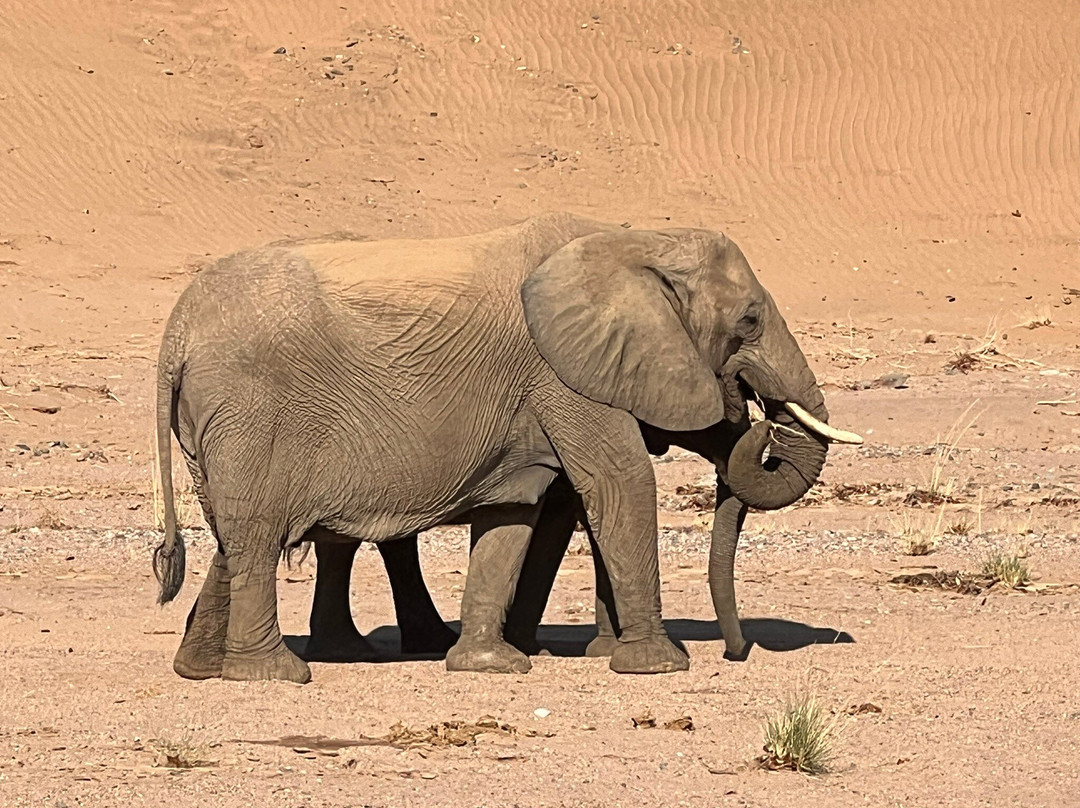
pixel 339 390
pixel 334 637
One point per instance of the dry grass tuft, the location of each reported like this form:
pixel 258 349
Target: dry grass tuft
pixel 939 486
pixel 986 354
pixel 180 753
pixel 961 527
pixel 51 520
pixel 1010 570
pixel 800 738
pixel 920 535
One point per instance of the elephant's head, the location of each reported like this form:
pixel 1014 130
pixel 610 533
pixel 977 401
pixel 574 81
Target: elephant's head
pixel 674 327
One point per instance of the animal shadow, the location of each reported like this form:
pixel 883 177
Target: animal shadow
pixel 768 633
pixel 385 642
pixel 571 639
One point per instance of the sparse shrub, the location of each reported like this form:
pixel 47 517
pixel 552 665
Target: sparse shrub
pixel 1010 570
pixel 961 527
pixel 51 520
pixel 180 753
pixel 800 738
pixel 919 535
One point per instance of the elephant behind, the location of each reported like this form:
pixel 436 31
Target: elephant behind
pixel 335 638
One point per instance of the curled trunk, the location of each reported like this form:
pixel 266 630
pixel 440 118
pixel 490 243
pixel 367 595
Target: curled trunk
pixel 794 463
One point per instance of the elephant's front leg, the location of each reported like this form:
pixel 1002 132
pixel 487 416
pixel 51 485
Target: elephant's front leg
pixel 202 650
pixel 550 538
pixel 500 540
pixel 605 457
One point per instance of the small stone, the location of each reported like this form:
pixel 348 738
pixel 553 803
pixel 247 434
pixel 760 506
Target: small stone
pixel 541 712
pixel 280 51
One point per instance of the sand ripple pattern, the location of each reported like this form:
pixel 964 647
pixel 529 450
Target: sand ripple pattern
pixel 920 123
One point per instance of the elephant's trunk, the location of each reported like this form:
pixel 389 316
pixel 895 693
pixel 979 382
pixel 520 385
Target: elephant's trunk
pixel 795 461
pixel 727 523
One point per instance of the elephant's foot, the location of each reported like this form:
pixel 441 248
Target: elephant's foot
pixel 486 655
pixel 652 655
pixel 603 645
pixel 528 645
pixel 197 661
pixel 737 650
pixel 431 640
pixel 281 663
pixel 343 647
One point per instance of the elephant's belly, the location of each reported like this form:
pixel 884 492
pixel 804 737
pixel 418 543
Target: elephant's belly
pixel 522 486
pixel 396 518
pixel 401 493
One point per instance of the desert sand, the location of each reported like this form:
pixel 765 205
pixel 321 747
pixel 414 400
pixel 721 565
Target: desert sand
pixel 905 177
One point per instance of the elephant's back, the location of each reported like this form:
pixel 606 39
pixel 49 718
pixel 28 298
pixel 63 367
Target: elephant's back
pixel 350 266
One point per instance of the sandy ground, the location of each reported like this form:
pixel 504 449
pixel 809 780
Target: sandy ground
pixel 906 179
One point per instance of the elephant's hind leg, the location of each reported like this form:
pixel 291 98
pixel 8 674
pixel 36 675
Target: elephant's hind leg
pixel 202 651
pixel 254 647
pixel 333 635
pixel 423 630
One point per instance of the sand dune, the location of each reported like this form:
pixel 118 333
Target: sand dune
pixel 899 139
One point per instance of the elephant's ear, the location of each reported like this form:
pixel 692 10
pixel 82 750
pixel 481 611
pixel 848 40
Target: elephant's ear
pixel 602 312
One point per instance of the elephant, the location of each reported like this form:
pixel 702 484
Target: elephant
pixel 334 637
pixel 335 389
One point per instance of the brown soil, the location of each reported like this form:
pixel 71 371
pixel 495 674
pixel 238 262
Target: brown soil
pixel 905 178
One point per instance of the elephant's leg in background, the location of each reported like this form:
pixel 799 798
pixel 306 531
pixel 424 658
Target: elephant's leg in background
pixel 727 524
pixel 501 537
pixel 423 630
pixel 550 538
pixel 202 650
pixel 604 455
pixel 252 537
pixel 607 621
pixel 333 637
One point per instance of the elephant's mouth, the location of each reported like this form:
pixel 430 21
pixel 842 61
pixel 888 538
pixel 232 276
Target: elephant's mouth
pixel 779 410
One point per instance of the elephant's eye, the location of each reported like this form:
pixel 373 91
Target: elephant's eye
pixel 749 325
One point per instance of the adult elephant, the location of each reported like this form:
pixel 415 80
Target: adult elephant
pixel 338 390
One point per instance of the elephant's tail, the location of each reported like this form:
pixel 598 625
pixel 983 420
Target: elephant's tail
pixel 169 557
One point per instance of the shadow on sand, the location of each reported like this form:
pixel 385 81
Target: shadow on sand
pixel 570 639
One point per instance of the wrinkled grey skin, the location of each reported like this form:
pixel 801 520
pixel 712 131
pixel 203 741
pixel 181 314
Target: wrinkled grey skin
pixel 334 637
pixel 337 390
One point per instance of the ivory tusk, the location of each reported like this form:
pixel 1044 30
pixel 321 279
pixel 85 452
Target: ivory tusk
pixel 823 429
